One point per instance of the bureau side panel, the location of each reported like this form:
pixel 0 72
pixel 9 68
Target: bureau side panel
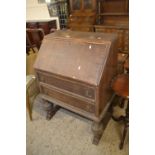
pixel 110 70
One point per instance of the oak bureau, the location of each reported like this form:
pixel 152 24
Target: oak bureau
pixel 74 71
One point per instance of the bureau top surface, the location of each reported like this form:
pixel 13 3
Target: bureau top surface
pixel 77 55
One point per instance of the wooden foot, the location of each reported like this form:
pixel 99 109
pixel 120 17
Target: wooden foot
pixel 50 108
pixel 123 137
pixel 52 112
pixel 97 129
pixel 122 102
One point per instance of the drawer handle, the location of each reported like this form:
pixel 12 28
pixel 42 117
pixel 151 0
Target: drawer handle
pixel 88 94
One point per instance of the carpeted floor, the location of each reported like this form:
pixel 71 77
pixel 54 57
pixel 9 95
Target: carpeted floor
pixel 67 133
pixel 70 134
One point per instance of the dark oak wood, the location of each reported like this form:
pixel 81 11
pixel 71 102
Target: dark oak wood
pixel 75 69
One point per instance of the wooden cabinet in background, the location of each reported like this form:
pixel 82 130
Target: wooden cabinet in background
pixel 113 12
pixel 113 17
pixel 121 31
pixel 82 5
pixel 82 15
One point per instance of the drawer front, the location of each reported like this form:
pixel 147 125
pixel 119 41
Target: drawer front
pixel 70 86
pixel 75 102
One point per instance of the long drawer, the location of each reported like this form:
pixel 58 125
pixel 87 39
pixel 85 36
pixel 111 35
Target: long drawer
pixel 67 85
pixel 68 99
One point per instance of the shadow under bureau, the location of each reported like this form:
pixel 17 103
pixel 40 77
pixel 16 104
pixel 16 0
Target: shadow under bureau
pixel 74 71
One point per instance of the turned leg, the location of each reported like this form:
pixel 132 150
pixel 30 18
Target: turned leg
pixel 124 135
pixel 50 108
pixel 49 114
pixel 52 112
pixel 122 102
pixel 97 129
pixel 126 119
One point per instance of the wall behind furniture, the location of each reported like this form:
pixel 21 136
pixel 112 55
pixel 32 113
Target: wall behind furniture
pixel 36 11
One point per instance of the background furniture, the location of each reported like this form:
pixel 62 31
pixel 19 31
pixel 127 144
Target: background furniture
pixel 47 26
pixel 46 23
pixel 123 35
pixel 120 85
pixel 34 37
pixel 82 15
pixel 113 17
pixel 81 84
pixel 36 12
pixel 126 66
pixel 36 29
pixel 122 57
pixel 113 12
